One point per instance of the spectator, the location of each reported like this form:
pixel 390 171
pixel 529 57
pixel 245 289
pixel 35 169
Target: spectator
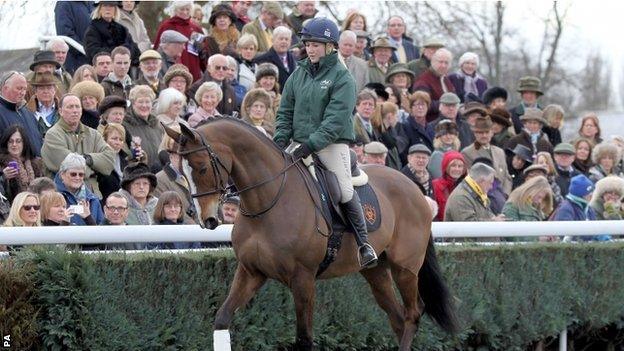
pixel 365 105
pixel 223 34
pixel 280 55
pixel 141 123
pixel 304 10
pixel 232 77
pixel 416 124
pixel 449 109
pixel 607 199
pixel 54 211
pixel 435 80
pixel 70 181
pixel 137 185
pixel 44 62
pixel 501 123
pixel 472 110
pixel 354 21
pixel 420 65
pixel 564 155
pixel 60 49
pixel 116 209
pixel 530 90
pixel 179 78
pixel 604 157
pixel 240 10
pixel 590 128
pixel 618 141
pixel 172 45
pixel 405 49
pixel 469 201
pixel 129 18
pixel 532 201
pixel 468 83
pixel 262 27
pixel 482 147
pixel 150 64
pixel 361 45
pixel 495 97
pixel 545 159
pixel 91 94
pixel 575 206
pixel 496 194
pixel 446 139
pixel 247 47
pixel 257 110
pixel 216 72
pixel 355 65
pixel 453 171
pixel 387 130
pixel 418 157
pixel 43 103
pixel 41 186
pixel 553 114
pixel 105 33
pixel 111 110
pixel 266 78
pixel 197 17
pixel 13 111
pixel 19 164
pixel 375 153
pixel 378 65
pixel 170 210
pixel 208 96
pixel 25 211
pixel 230 209
pixel 181 22
pixel 402 78
pixel 102 63
pixel 62 139
pixel 118 82
pixel 518 159
pixel 531 135
pixel 84 73
pixel 170 107
pixel 583 160
pixel 535 170
pixel 72 18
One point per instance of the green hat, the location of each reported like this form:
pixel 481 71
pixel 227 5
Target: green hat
pixel 530 83
pixel 533 114
pixel 449 99
pixel 564 148
pixel 433 43
pixel 382 42
pixel 399 68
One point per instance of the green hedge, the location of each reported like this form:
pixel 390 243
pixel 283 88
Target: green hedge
pixel 508 298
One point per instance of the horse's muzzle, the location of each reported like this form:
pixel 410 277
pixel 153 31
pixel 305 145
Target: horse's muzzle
pixel 211 223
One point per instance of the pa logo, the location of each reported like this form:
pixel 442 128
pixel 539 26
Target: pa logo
pixel 327 33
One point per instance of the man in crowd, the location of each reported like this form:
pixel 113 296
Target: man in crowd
pixel 60 49
pixel 361 45
pixel 13 89
pixel 531 135
pixel 423 63
pixel 116 209
pixel 216 72
pixel 375 153
pixel 230 209
pixel 382 51
pixel 44 62
pixel 150 63
pixel 355 65
pixel 405 49
pixel 304 10
pixel 418 157
pixel 118 82
pixel 530 90
pixel 240 8
pixel 262 27
pixel 280 55
pixel 435 80
pixel 44 102
pixel 172 44
pixel 564 155
pixel 449 109
pixel 102 63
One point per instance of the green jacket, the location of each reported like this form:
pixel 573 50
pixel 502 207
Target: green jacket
pixel 525 214
pixel 317 110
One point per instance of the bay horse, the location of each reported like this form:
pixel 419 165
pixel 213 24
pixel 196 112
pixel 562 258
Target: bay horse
pixel 279 234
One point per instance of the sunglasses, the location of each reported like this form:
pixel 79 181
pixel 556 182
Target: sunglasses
pixel 221 68
pixel 31 207
pixel 76 174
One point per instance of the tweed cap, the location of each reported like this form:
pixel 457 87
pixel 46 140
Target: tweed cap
pixel 274 8
pixel 419 148
pixel 172 36
pixel 149 54
pixel 433 43
pixel 536 167
pixel 449 99
pixel 375 147
pixel 564 148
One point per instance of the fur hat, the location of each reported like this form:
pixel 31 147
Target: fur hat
pixel 609 184
pixel 501 116
pixel 178 70
pixel 266 69
pixel 494 93
pixel 110 102
pixel 254 95
pixel 446 126
pixel 605 149
pixel 88 88
pixel 135 171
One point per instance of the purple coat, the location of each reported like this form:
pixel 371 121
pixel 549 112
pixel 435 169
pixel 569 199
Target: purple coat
pixel 458 82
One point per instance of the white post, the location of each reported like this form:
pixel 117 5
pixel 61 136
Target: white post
pixel 221 340
pixel 563 340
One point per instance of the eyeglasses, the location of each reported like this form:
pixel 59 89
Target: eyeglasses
pixel 221 68
pixel 31 207
pixel 115 208
pixel 76 174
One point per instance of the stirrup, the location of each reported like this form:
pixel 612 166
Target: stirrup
pixel 371 261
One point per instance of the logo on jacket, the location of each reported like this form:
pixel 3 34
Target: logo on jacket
pixel 327 32
pixel 326 83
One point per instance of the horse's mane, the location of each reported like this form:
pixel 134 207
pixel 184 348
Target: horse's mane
pixel 258 134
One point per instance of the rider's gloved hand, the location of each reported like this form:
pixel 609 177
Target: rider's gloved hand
pixel 282 144
pixel 302 151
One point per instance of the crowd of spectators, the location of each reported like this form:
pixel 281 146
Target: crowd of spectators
pixel 82 141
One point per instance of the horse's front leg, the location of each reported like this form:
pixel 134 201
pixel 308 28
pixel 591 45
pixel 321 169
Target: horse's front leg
pixel 244 287
pixel 302 288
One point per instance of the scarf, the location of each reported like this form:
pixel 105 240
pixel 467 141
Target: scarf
pixel 477 189
pixel 26 172
pixel 421 177
pixel 225 39
pixel 470 83
pixel 580 202
pixel 534 137
pixel 443 85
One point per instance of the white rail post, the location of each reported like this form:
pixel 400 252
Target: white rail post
pixel 563 340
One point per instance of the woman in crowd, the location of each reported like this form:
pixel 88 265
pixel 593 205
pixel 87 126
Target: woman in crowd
pixel 197 17
pixel 266 78
pixel 25 211
pixel 607 198
pixel 354 21
pixel 454 170
pixel 546 159
pixel 583 160
pixel 446 139
pixel 387 131
pixel 208 96
pixel 170 107
pixel 553 114
pixel 111 110
pixel 590 128
pixel 84 73
pixel 467 81
pixel 415 125
pixel 170 210
pixel 142 125
pixel 531 135
pixel 532 201
pixel 91 94
pixel 518 159
pixel 70 182
pixel 137 185
pixel 222 35
pixel 402 78
pixel 129 18
pixel 18 161
pixel 247 47
pixel 604 156
pixel 105 33
pixel 501 127
pixel 54 211
pixel 257 110
pixel 179 78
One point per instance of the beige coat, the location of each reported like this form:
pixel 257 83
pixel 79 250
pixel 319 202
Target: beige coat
pixel 135 26
pixel 497 155
pixel 359 70
pixel 463 205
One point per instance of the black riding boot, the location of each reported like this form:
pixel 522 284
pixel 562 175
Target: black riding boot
pixel 355 215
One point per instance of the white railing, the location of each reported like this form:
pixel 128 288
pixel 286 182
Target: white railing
pixel 71 42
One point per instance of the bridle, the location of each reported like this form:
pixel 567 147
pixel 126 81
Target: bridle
pixel 223 189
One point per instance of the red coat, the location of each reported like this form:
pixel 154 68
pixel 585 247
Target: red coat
pixel 186 27
pixel 443 186
pixel 429 81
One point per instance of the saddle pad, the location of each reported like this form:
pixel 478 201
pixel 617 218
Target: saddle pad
pixel 370 205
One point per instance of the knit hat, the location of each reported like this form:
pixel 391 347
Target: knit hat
pixel 501 116
pixel 494 93
pixel 88 88
pixel 580 186
pixel 136 171
pixel 178 70
pixel 110 102
pixel 221 9
pixel 256 94
pixel 446 126
pixel 468 56
pixel 266 69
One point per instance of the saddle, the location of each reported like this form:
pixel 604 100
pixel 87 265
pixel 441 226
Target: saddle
pixel 330 195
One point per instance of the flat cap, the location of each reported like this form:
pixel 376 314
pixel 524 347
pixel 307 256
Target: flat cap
pixel 449 99
pixel 433 43
pixel 564 148
pixel 536 167
pixel 419 148
pixel 149 54
pixel 274 8
pixel 375 147
pixel 172 36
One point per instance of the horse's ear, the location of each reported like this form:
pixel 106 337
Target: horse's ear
pixel 172 133
pixel 188 132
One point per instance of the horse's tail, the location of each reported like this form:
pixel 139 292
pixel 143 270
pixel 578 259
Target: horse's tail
pixel 434 292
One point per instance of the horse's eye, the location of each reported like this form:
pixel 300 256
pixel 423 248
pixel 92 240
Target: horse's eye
pixel 203 170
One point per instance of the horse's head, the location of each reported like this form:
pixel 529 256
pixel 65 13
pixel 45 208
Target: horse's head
pixel 210 171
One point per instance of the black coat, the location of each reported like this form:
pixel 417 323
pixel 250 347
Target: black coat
pixel 417 134
pixel 553 134
pixel 405 170
pixel 110 183
pixel 105 36
pixel 563 179
pixel 272 57
pixel 72 18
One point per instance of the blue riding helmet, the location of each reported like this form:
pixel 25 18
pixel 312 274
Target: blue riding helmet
pixel 321 30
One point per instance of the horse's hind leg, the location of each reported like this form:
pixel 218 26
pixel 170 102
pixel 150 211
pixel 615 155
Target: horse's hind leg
pixel 302 287
pixel 380 283
pixel 407 282
pixel 244 287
